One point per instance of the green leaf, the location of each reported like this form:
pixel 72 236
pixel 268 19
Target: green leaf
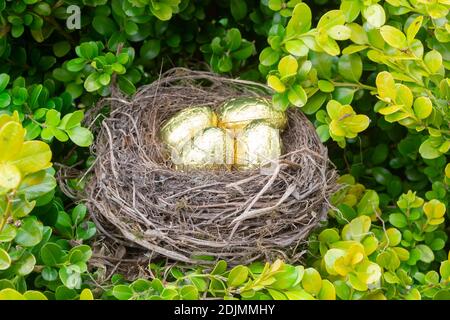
pixel 161 10
pixel 70 276
pixel 238 9
pixel 426 254
pixel 314 103
pixel 25 264
pixel 220 267
pixel 81 136
pixel 30 232
pixel 4 80
pixel 5 100
pixel 5 260
pixel 189 292
pixel 225 64
pixel 275 5
pixel 368 203
pixel 323 132
pixel 8 233
pixel 92 82
pixel 398 220
pixel 238 275
pixel 126 85
pixel 296 47
pixel 350 67
pixel 269 57
pixel 429 150
pixel 150 49
pixel 76 65
pixel 325 86
pixel 233 39
pixel 394 37
pixel 51 254
pixel 61 48
pixel 245 51
pixel 297 96
pixel 351 9
pixel 87 50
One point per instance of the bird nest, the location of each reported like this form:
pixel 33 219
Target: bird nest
pixel 137 198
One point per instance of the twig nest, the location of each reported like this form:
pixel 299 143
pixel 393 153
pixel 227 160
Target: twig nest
pixel 138 199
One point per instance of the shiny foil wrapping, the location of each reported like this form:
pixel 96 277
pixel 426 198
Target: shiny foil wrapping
pixel 237 113
pixel 259 144
pixel 211 148
pixel 184 125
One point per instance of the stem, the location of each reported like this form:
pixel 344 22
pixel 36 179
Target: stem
pixel 7 214
pixel 357 85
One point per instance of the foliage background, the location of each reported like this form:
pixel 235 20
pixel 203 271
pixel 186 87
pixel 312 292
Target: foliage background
pixel 371 75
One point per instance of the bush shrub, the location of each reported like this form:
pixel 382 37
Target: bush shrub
pixel 372 75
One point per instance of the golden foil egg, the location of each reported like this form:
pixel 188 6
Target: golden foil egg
pixel 211 148
pixel 186 124
pixel 238 112
pixel 257 145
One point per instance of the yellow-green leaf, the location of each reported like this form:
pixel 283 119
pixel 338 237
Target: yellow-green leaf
pixel 434 209
pixel 394 37
pixel 9 176
pixel 34 295
pixel 11 138
pixel 375 15
pixel 275 83
pixel 433 60
pixel 422 107
pixel 340 32
pixel 386 86
pixel 328 292
pixel 10 294
pixel 287 66
pixel 413 28
pixel 34 156
pixel 312 282
pixel 86 294
pixel 404 96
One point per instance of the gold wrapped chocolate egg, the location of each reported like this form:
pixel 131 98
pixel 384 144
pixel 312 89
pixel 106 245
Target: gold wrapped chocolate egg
pixel 186 124
pixel 211 148
pixel 257 145
pixel 239 112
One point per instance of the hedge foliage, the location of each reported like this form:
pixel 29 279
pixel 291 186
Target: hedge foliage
pixel 371 75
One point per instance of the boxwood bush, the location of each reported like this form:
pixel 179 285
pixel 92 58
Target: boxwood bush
pixel 371 75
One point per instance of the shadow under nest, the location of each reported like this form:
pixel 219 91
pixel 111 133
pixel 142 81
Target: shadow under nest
pixel 144 209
